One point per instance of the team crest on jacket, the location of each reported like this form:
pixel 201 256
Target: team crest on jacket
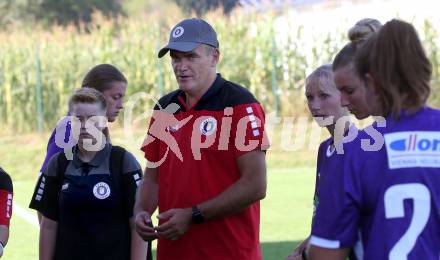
pixel 208 126
pixel 101 190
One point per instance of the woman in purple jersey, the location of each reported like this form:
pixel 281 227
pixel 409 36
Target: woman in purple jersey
pixel 324 104
pixel 389 195
pixel 321 93
pixel 343 65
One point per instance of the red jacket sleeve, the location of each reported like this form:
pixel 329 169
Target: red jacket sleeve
pixel 6 194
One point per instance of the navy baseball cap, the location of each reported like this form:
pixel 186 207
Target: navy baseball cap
pixel 188 35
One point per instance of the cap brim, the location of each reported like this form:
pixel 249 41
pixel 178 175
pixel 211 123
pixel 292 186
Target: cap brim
pixel 178 46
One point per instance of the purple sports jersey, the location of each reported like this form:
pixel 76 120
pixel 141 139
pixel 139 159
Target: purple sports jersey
pixel 328 160
pixel 52 148
pixel 325 160
pixel 386 192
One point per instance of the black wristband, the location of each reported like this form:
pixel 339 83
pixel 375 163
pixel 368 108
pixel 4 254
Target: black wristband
pixel 197 217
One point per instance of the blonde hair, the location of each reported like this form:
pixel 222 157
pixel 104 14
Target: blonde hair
pixel 360 32
pixel 322 76
pixel 357 34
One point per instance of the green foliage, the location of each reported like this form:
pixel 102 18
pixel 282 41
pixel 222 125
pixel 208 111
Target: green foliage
pixel 133 8
pixel 60 12
pixel 64 12
pixel 11 11
pixel 270 59
pixel 200 7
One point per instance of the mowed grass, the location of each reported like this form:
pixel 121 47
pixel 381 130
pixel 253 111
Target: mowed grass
pixel 285 212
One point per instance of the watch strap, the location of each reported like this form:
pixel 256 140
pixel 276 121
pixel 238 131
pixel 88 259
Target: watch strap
pixel 197 216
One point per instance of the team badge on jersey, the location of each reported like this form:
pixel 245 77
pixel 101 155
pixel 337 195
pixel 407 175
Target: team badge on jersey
pixel 413 149
pixel 208 126
pixel 101 190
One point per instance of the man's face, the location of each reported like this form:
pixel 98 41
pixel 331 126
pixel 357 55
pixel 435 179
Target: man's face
pixel 193 69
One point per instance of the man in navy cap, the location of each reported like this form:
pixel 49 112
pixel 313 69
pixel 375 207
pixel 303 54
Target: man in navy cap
pixel 208 188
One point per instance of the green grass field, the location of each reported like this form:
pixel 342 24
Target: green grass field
pixel 285 212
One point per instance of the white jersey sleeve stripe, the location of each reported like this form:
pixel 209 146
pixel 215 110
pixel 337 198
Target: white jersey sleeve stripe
pixel 325 243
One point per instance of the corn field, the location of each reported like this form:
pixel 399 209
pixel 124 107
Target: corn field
pixel 39 68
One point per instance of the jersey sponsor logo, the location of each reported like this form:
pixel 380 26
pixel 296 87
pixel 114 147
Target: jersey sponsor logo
pixel 208 126
pixel 178 32
pixel 101 190
pixel 413 149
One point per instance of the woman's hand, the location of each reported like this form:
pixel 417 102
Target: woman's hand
pixel 297 252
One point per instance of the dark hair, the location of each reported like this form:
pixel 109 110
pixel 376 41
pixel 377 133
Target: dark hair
pixel 358 34
pixel 397 62
pixel 101 76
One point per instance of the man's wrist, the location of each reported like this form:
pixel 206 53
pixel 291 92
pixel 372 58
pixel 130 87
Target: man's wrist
pixel 197 216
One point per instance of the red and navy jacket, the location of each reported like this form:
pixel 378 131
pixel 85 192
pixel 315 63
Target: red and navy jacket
pixel 195 151
pixel 6 194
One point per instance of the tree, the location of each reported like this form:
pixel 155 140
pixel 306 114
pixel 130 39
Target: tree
pixel 11 11
pixel 200 7
pixel 61 12
pixel 74 11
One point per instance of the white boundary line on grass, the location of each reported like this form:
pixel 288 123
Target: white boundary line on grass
pixel 25 215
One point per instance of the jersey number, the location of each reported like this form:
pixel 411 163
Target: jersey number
pixel 394 208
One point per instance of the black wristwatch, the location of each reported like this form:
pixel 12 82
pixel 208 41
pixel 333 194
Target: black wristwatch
pixel 197 217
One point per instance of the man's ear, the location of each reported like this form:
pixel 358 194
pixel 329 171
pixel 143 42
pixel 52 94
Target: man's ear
pixel 215 57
